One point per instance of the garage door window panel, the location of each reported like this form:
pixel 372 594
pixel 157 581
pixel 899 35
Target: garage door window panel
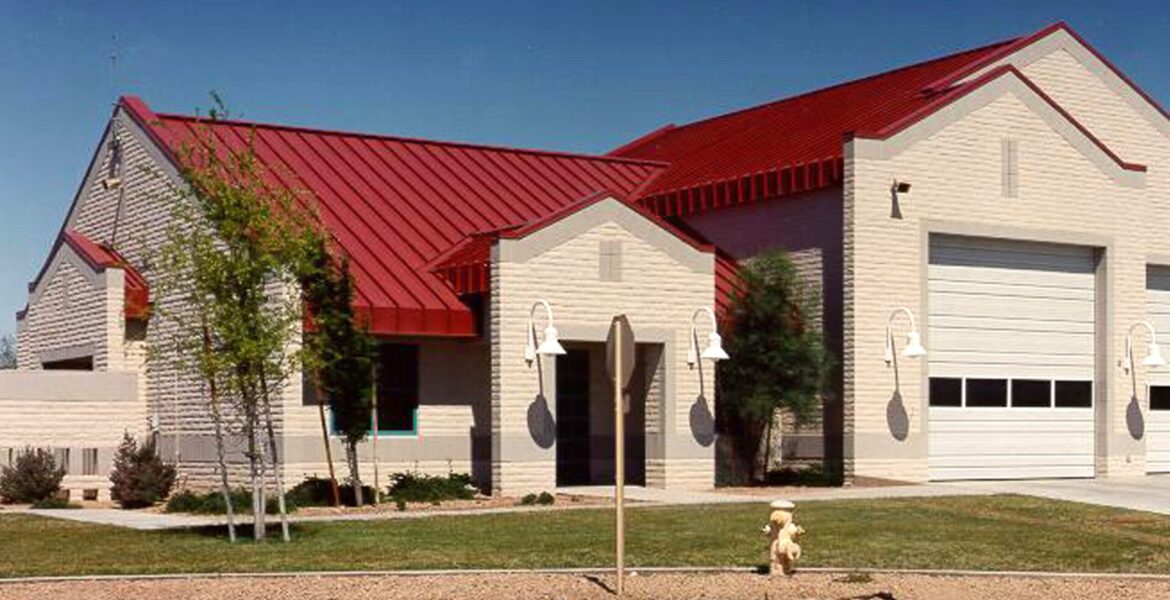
pixel 1160 397
pixel 946 391
pixel 987 393
pixel 1074 394
pixel 1031 393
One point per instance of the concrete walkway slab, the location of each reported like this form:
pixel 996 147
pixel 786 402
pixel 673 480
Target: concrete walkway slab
pixel 764 496
pixel 1150 493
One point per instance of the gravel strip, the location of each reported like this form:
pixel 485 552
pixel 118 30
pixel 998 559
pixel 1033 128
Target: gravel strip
pixel 730 586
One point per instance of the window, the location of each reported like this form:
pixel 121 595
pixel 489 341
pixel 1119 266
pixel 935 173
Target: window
pixel 610 260
pixel 61 457
pixel 986 392
pixel 397 388
pixel 1011 168
pixel 1074 394
pixel 1031 393
pixel 83 363
pixel 1160 397
pixel 946 391
pixel 89 461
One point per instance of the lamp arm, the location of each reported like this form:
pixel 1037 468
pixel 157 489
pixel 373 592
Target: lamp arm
pixel 547 311
pixel 906 311
pixel 710 313
pixel 1149 327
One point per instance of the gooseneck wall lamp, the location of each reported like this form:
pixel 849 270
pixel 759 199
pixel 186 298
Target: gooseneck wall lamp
pixel 914 347
pixel 714 350
pixel 1154 356
pixel 551 346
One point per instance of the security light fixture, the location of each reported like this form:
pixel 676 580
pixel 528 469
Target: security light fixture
pixel 551 346
pixel 714 350
pixel 1154 356
pixel 110 183
pixel 900 187
pixel 914 347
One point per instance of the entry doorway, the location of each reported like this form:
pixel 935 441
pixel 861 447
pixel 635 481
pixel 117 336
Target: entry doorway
pixel 585 420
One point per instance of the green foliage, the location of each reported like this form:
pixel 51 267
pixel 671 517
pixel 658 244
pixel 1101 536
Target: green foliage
pixel 542 499
pixel 33 477
pixel 315 491
pixel 416 487
pixel 211 503
pixel 55 503
pixel 7 352
pixel 140 478
pixel 340 351
pixel 779 358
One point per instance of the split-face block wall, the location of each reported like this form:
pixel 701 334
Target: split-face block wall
pixel 662 281
pixel 1004 170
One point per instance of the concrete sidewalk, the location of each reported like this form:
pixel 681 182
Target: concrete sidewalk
pixel 665 497
pixel 1150 493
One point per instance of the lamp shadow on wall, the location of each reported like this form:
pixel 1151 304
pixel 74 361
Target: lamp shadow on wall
pixel 702 419
pixel 897 418
pixel 1134 420
pixel 542 425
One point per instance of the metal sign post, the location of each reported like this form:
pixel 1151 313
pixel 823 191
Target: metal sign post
pixel 619 350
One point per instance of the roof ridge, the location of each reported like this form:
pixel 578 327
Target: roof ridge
pixel 414 140
pixel 984 48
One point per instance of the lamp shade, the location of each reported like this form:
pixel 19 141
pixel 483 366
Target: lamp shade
pixel 551 345
pixel 914 348
pixel 714 350
pixel 1154 356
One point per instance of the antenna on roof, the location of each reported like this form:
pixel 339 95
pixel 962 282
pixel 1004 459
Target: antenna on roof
pixel 114 64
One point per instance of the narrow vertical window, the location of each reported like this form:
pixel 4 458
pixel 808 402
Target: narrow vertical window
pixel 611 260
pixel 1011 168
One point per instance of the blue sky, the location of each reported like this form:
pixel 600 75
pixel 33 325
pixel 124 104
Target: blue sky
pixel 570 76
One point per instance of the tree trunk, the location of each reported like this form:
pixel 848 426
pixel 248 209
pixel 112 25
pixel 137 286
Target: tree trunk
pixel 274 457
pixel 325 438
pixel 258 529
pixel 217 421
pixel 355 476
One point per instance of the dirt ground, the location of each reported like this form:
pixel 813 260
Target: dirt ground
pixel 728 586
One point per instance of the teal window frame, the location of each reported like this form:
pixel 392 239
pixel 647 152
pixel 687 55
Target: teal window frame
pixel 413 431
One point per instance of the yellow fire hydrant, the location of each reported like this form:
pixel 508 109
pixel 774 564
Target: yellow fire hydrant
pixel 783 551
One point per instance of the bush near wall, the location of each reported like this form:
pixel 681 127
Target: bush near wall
pixel 140 478
pixel 211 503
pixel 417 487
pixel 34 477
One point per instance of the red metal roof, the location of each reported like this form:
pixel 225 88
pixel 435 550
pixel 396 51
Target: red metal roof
pixel 101 257
pixel 466 266
pixel 796 144
pixel 395 204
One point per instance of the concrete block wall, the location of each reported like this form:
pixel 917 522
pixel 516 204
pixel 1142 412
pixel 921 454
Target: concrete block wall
pixel 74 411
pixel 663 281
pixel 1065 195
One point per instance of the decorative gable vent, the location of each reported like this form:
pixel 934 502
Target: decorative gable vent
pixel 611 260
pixel 1011 168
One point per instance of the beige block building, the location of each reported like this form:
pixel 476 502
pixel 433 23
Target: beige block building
pixel 1004 203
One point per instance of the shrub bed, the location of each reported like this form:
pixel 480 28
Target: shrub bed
pixel 33 477
pixel 417 487
pixel 317 491
pixel 211 503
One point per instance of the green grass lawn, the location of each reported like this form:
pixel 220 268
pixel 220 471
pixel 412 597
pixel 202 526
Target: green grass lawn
pixel 1001 532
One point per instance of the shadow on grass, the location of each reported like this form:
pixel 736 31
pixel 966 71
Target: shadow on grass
pixel 244 531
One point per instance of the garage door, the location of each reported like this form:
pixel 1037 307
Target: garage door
pixel 1158 417
pixel 1010 333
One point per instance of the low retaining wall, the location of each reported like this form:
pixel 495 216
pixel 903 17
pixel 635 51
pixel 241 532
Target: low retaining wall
pixel 79 415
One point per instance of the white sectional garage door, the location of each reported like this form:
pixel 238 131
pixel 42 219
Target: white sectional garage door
pixel 1011 361
pixel 1158 416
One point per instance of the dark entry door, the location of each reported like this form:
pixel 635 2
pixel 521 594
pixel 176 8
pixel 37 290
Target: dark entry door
pixel 573 418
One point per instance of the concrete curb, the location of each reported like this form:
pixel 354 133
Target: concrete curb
pixel 580 571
